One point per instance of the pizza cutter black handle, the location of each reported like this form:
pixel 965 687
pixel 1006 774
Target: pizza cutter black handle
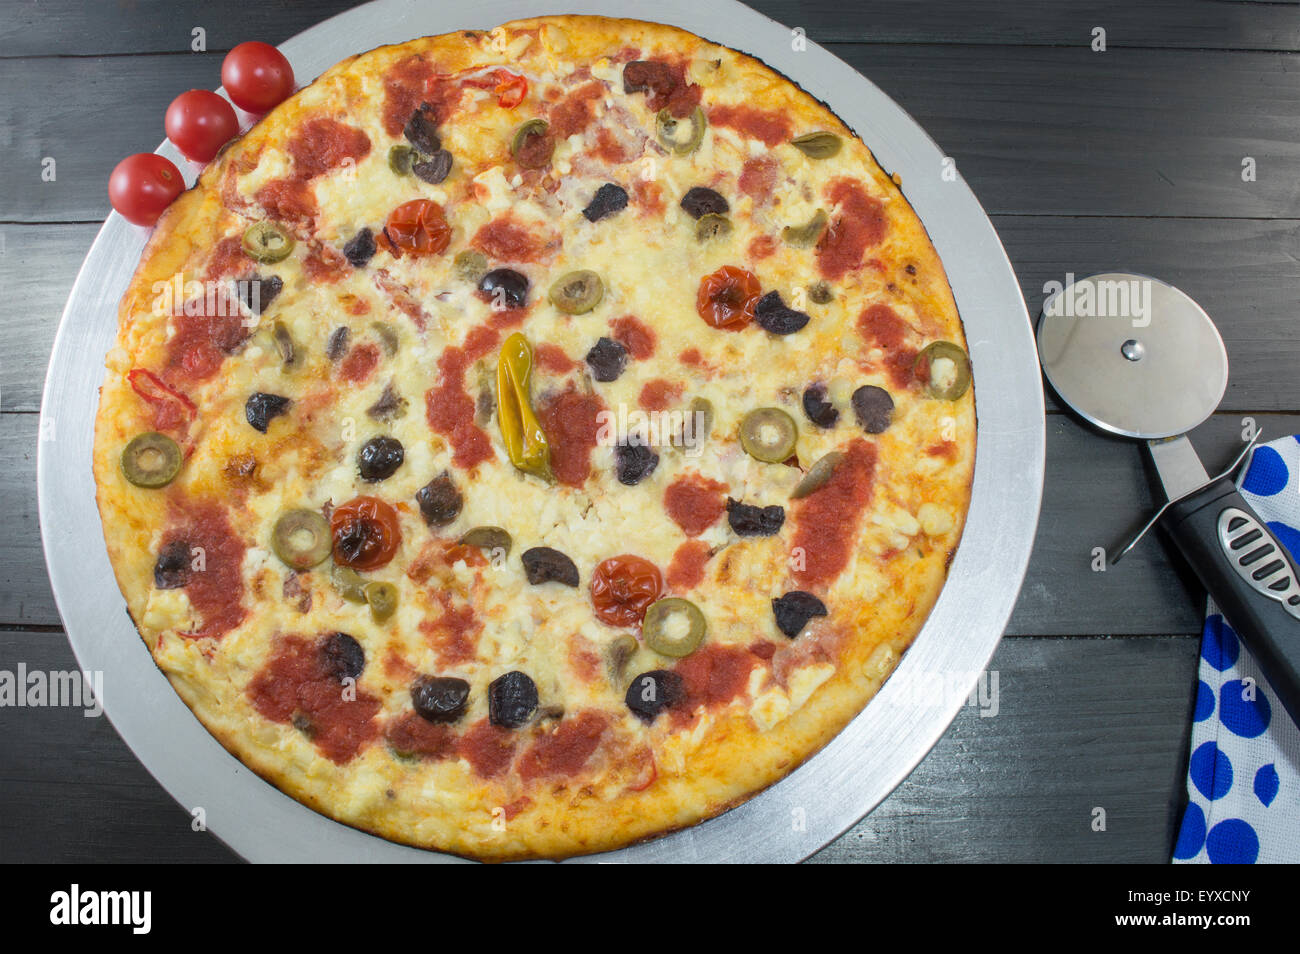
pixel 1250 576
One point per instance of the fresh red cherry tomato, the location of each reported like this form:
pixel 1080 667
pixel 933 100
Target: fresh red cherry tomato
pixel 623 587
pixel 200 122
pixel 142 186
pixel 366 533
pixel 418 227
pixel 726 298
pixel 256 76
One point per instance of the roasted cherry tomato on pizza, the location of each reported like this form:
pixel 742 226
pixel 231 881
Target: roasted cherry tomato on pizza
pixel 257 76
pixel 418 227
pixel 200 122
pixel 142 186
pixel 623 587
pixel 365 532
pixel 727 298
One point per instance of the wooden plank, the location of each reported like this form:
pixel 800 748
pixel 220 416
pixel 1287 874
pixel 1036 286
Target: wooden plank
pixel 1244 273
pixel 1080 723
pixel 44 27
pixel 72 790
pixel 25 596
pixel 1070 132
pixel 38 265
pixel 1042 131
pixel 1097 495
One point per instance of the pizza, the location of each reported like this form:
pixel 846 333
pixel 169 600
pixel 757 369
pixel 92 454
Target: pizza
pixel 527 442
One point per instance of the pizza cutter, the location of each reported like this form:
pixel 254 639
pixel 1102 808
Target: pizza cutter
pixel 1140 359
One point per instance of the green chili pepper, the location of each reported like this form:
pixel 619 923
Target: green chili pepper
pixel 524 438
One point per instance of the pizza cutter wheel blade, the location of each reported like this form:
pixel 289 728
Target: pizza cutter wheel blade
pixel 1140 359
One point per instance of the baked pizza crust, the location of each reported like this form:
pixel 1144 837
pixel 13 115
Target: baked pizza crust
pixel 722 754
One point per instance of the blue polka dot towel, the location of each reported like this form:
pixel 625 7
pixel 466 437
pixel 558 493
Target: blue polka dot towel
pixel 1243 779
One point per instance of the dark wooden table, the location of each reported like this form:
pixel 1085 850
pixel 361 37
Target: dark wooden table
pixel 1129 158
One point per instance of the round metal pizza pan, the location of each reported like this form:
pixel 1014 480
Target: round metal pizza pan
pixel 833 789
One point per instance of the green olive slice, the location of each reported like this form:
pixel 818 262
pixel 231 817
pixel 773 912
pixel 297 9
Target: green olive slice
pixel 576 293
pixel 821 293
pixel 526 131
pixel 701 410
pixel 387 336
pixel 673 627
pixel 266 242
pixel 806 235
pixel 711 225
pixel 818 475
pixel 470 265
pixel 401 158
pixel 151 460
pixel 817 145
pixel 681 137
pixel 348 583
pixel 382 598
pixel 490 540
pixel 284 345
pixel 949 370
pixel 301 538
pixel 620 653
pixel 768 434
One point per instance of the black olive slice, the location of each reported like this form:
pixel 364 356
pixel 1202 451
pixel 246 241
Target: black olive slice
pixel 699 201
pixel 260 409
pixel 653 692
pixel 512 699
pixel 773 315
pixel 421 130
pixel 440 501
pixel 793 611
pixel 172 568
pixel 379 458
pixel 505 287
pixel 750 521
pixel 874 408
pixel 634 463
pixel 257 292
pixel 360 248
pixel 337 344
pixel 440 698
pixel 609 198
pixel 547 565
pixel 389 406
pixel 342 656
pixel 819 410
pixel 434 169
pixel 607 359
